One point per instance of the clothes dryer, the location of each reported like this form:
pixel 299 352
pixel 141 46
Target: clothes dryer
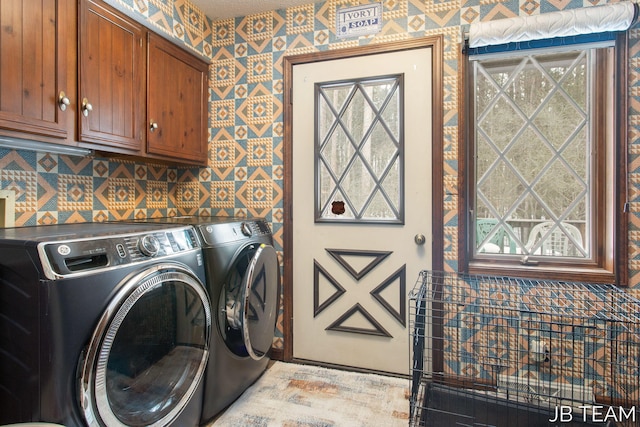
pixel 243 283
pixel 102 325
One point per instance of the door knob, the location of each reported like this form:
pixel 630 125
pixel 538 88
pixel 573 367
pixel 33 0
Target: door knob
pixel 86 107
pixel 63 101
pixel 153 126
pixel 420 239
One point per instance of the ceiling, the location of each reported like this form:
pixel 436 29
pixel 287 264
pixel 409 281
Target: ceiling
pixel 223 9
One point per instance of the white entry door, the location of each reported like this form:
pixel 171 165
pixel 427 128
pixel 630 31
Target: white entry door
pixel 362 220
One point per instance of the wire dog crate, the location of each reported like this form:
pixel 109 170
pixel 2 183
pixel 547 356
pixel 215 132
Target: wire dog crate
pixel 498 351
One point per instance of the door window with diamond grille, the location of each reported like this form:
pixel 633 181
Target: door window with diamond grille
pixel 359 149
pixel 541 123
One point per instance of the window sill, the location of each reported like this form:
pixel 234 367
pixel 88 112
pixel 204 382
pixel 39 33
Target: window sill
pixel 564 272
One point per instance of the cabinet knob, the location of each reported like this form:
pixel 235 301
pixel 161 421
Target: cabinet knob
pixel 153 126
pixel 86 107
pixel 63 101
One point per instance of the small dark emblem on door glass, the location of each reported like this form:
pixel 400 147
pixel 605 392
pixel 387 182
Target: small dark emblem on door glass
pixel 337 208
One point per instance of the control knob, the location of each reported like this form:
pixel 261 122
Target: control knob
pixel 246 229
pixel 149 245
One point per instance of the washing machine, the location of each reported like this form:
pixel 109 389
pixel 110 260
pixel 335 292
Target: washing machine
pixel 243 283
pixel 103 325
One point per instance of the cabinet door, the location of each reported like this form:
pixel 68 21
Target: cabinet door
pixel 37 46
pixel 111 83
pixel 177 103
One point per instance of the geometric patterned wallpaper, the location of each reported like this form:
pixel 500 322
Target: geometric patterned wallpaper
pixel 245 171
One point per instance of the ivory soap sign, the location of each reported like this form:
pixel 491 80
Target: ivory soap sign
pixel 359 20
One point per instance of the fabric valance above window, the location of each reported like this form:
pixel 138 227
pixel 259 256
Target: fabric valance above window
pixel 555 28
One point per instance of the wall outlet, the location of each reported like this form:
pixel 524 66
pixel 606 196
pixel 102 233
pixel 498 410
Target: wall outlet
pixel 7 208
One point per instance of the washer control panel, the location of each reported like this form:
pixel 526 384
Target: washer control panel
pixel 63 258
pixel 161 243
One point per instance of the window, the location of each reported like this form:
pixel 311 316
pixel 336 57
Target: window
pixel 542 151
pixel 359 146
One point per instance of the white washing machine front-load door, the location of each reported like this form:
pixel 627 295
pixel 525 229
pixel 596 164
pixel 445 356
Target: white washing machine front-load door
pixel 148 353
pixel 248 304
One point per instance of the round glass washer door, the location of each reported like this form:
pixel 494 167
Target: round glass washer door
pixel 248 302
pixel 148 354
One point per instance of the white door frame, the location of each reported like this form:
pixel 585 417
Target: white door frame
pixel 436 43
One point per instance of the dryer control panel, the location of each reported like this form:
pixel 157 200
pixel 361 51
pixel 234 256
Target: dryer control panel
pixel 88 255
pixel 220 233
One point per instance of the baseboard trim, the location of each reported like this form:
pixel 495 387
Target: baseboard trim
pixel 348 368
pixel 277 354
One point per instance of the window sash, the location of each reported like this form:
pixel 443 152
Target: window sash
pixel 604 240
pixel 560 237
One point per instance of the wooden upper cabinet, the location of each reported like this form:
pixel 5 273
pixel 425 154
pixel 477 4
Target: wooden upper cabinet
pixel 37 69
pixel 177 103
pixel 111 94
